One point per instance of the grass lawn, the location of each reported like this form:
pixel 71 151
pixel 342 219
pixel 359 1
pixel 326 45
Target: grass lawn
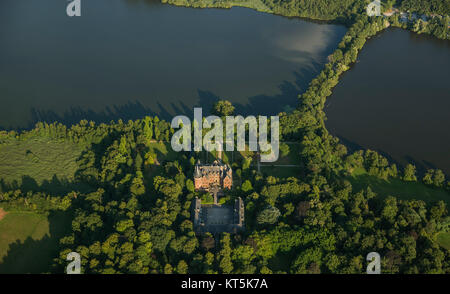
pixel 444 240
pixel 398 188
pixel 227 156
pixel 293 157
pixel 36 160
pixel 29 241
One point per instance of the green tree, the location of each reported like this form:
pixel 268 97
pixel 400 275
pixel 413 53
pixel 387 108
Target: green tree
pixel 138 162
pixel 148 128
pixel 123 225
pixel 390 209
pixel 157 131
pixel 168 269
pixel 410 173
pixel 268 216
pixel 224 255
pixel 284 149
pixel 137 187
pixel 428 177
pixel 182 267
pixel 289 209
pixel 223 108
pixel 123 146
pixel 190 185
pixel 150 158
pixel 247 186
pixel 438 178
pixel 246 163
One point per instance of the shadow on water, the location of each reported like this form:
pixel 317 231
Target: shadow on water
pixel 286 100
pixel 36 256
pixel 153 3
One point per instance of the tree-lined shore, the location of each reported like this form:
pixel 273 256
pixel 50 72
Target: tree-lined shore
pixel 129 195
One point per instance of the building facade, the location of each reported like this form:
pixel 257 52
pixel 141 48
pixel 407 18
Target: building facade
pixel 217 174
pixel 216 218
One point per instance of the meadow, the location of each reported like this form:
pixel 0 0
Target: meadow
pixel 398 188
pixel 29 241
pixel 444 240
pixel 28 164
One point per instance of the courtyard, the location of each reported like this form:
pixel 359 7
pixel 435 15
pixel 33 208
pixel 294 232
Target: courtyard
pixel 218 215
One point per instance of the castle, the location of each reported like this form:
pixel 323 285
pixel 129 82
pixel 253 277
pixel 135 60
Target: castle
pixel 215 218
pixel 217 174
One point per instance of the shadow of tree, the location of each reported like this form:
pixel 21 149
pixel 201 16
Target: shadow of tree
pixel 53 187
pixel 36 256
pixel 286 100
pixel 59 186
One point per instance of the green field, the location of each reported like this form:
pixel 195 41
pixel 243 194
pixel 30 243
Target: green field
pixel 29 241
pixel 444 240
pixel 30 163
pixel 292 158
pixel 398 188
pixel 284 167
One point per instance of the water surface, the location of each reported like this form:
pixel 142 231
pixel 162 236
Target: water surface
pixel 126 59
pixel 396 99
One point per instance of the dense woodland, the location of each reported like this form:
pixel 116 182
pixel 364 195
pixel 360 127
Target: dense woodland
pixel 132 212
pixel 313 9
pixel 345 11
pixel 441 7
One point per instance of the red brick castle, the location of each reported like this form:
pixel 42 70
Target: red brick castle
pixel 217 174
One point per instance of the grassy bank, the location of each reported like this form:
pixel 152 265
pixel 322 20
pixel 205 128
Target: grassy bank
pixel 311 9
pixel 444 240
pixel 398 188
pixel 29 241
pixel 33 161
pixel 254 4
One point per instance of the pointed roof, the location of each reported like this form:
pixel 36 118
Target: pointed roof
pixel 197 173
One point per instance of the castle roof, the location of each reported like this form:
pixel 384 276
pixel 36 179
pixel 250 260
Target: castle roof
pixel 217 167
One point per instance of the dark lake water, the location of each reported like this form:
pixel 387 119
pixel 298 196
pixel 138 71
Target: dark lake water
pixel 126 59
pixel 396 99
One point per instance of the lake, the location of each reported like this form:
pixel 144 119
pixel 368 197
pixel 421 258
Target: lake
pixel 127 59
pixel 396 99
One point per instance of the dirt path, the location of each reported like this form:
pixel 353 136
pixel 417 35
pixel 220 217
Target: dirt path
pixel 2 214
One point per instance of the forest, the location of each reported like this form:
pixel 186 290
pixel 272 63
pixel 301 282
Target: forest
pixel 441 7
pixel 344 11
pixel 129 195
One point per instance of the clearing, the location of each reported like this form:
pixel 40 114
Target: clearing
pixel 398 188
pixel 29 163
pixel 29 241
pixel 443 239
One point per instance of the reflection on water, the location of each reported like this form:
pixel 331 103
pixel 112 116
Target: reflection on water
pixel 129 58
pixel 294 46
pixel 396 99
